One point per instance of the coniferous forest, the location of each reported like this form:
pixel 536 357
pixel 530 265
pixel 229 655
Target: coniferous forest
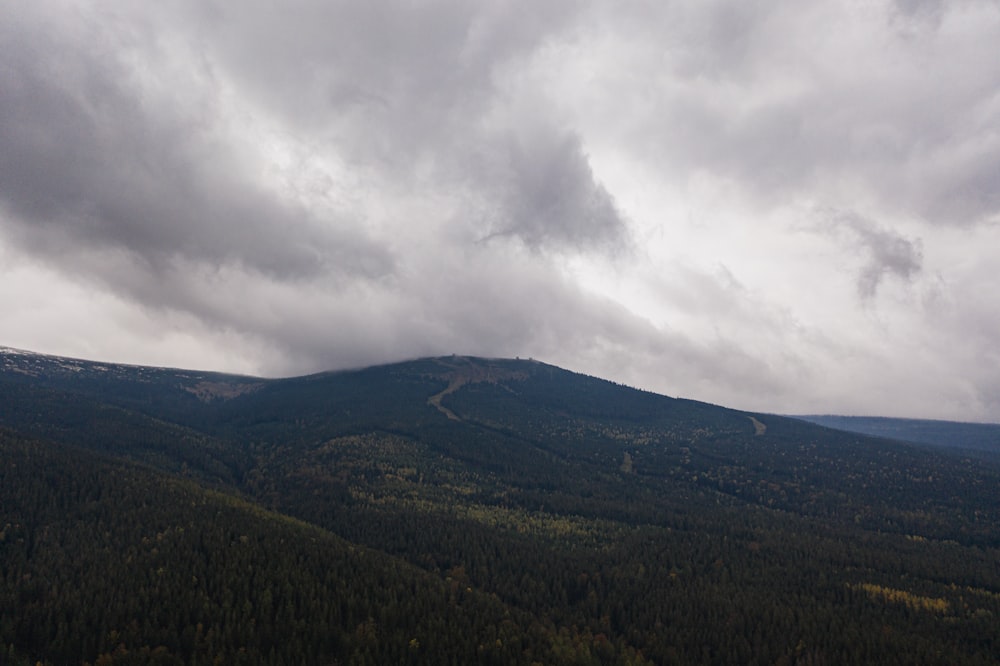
pixel 459 510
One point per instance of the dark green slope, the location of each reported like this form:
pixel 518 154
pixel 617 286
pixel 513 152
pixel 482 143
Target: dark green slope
pixel 109 562
pixel 186 396
pixel 615 520
pixel 92 422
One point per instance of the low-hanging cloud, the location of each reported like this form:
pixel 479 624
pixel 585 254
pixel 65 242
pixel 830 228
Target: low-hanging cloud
pixel 90 161
pixel 547 195
pixel 618 188
pixel 147 191
pixel 885 252
pixel 890 103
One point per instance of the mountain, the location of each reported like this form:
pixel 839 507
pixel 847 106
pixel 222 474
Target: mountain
pixel 468 510
pixel 979 437
pixel 118 563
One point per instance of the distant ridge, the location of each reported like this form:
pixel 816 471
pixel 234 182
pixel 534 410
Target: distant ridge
pixel 955 434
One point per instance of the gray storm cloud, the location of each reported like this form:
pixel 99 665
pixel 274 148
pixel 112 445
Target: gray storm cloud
pixel 885 252
pixel 547 195
pixel 890 102
pixel 615 187
pixel 89 161
pixel 124 186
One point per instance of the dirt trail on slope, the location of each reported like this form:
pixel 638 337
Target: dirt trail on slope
pixel 435 400
pixel 462 371
pixel 758 427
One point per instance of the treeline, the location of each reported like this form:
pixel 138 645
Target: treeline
pixel 723 584
pixel 106 563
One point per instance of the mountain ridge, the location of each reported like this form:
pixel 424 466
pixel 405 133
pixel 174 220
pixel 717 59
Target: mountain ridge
pixel 976 436
pixel 614 525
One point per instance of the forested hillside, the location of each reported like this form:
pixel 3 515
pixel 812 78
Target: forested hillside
pixel 118 564
pixel 460 510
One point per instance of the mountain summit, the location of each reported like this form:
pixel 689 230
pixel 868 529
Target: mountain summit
pixel 471 510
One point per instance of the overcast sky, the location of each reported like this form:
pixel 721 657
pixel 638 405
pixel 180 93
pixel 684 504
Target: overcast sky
pixel 781 206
